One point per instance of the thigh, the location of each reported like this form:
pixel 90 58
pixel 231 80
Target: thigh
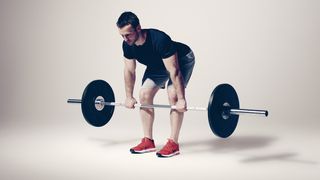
pixel 153 79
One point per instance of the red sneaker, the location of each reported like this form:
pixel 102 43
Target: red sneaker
pixel 146 145
pixel 169 150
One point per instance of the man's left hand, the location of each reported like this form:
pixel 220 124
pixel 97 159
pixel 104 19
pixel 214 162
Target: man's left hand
pixel 181 105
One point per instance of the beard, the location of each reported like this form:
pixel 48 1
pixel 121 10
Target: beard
pixel 133 41
pixel 130 43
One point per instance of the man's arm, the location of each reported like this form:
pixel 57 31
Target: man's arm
pixel 172 65
pixel 129 79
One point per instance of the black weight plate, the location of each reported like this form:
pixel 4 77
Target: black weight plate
pixel 93 90
pixel 223 93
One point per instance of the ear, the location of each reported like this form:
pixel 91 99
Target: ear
pixel 138 28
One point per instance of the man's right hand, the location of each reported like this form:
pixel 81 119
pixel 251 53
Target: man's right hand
pixel 130 102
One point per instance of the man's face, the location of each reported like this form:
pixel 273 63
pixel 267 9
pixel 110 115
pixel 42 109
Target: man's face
pixel 129 34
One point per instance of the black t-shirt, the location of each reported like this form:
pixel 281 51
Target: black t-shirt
pixel 158 46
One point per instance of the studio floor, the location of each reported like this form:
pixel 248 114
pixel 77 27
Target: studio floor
pixel 71 149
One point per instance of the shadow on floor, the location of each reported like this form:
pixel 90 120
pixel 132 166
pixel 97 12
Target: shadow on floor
pixel 111 142
pixel 231 144
pixel 240 143
pixel 285 157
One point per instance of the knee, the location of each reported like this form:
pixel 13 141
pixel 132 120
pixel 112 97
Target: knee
pixel 172 96
pixel 145 96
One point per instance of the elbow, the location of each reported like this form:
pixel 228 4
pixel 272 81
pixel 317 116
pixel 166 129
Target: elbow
pixel 174 72
pixel 128 72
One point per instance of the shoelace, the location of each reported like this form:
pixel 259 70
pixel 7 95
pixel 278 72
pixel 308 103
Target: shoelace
pixel 143 144
pixel 169 147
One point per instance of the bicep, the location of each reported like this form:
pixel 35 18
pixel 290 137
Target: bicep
pixel 171 63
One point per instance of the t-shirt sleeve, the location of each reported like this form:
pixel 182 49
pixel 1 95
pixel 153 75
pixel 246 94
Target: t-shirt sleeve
pixel 165 46
pixel 127 51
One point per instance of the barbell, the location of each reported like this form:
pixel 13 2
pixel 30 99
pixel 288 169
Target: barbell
pixel 98 103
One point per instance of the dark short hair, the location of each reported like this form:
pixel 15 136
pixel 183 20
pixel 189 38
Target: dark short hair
pixel 128 18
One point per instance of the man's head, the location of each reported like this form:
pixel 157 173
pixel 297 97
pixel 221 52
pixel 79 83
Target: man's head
pixel 129 27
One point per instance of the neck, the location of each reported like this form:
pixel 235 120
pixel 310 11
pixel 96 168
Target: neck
pixel 142 38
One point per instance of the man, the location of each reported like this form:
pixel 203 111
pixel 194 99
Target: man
pixel 164 60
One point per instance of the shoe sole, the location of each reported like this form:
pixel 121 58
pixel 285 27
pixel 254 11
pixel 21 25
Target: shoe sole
pixel 169 155
pixel 143 151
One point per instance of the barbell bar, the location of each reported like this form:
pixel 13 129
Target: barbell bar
pixel 151 106
pixel 98 104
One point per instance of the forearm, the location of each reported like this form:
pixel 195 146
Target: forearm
pixel 129 79
pixel 177 81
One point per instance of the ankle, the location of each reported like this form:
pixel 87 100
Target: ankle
pixel 149 138
pixel 175 140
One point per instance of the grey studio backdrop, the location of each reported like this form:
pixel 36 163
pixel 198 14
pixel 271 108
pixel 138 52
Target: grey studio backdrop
pixel 268 50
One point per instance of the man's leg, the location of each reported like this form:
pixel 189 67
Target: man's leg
pixel 147 115
pixel 176 117
pixel 172 147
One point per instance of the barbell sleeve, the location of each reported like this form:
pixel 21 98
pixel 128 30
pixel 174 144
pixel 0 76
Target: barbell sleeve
pixel 248 111
pixel 74 101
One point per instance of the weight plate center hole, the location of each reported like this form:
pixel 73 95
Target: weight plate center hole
pixel 225 112
pixel 99 103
